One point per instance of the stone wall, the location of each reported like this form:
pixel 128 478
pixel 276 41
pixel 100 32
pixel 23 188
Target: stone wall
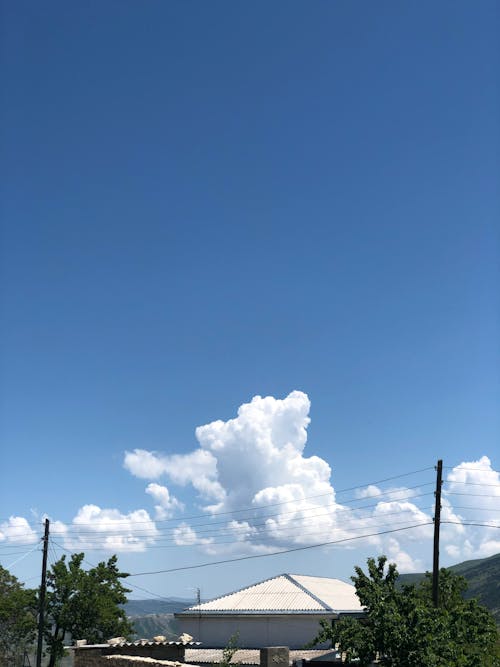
pixel 124 661
pixel 96 656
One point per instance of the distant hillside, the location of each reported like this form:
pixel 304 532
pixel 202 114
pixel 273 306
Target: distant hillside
pixel 156 617
pixel 157 606
pixel 150 625
pixel 483 578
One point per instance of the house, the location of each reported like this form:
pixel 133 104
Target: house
pixel 282 611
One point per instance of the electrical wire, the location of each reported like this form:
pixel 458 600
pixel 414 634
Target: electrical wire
pixel 473 495
pixel 481 525
pixel 213 533
pixel 338 508
pixel 227 530
pixel 285 535
pixel 482 509
pixel 37 546
pixel 278 553
pixel 471 469
pixel 452 481
pixel 139 588
pixel 286 502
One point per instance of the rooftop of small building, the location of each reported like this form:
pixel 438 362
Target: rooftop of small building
pixel 290 593
pixel 246 656
pixel 137 642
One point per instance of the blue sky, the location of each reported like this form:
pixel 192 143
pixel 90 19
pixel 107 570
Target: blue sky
pixel 207 202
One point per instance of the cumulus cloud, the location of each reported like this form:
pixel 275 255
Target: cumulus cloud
pixel 261 492
pixel 17 530
pixel 184 535
pixel 404 561
pixel 109 529
pixel 257 461
pixel 167 504
pixel 144 464
pixel 198 468
pixel 477 482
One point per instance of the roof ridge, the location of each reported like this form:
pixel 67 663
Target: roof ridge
pixel 291 577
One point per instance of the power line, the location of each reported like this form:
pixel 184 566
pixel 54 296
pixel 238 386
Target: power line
pixel 482 509
pixel 150 533
pixel 463 523
pixel 277 553
pixel 459 468
pixel 473 495
pixel 285 535
pixel 284 502
pixel 98 536
pixel 225 529
pixel 27 553
pixel 144 590
pixel 452 481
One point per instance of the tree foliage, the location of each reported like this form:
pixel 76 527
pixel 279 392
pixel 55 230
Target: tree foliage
pixel 402 628
pixel 85 604
pixel 17 618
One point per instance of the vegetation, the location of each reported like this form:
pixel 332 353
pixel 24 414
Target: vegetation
pixel 402 628
pixel 17 619
pixel 483 581
pixel 86 604
pixel 229 651
pixel 150 625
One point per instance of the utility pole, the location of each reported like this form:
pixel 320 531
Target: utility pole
pixel 41 607
pixel 437 522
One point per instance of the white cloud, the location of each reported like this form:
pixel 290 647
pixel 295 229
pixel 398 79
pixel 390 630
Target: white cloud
pixel 257 461
pixel 17 530
pixel 402 558
pixel 471 496
pixel 368 491
pixel 184 535
pixel 254 471
pixel 144 464
pixel 108 529
pixel 488 548
pixel 167 504
pixel 198 468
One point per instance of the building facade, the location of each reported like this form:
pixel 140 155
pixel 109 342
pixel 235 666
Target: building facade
pixel 281 611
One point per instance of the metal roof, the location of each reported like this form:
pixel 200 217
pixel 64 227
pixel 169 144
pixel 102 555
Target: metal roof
pixel 137 642
pixel 291 593
pixel 250 656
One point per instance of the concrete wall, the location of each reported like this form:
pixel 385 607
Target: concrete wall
pixel 292 630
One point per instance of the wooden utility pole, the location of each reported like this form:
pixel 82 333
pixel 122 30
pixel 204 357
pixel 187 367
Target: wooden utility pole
pixel 437 521
pixel 41 607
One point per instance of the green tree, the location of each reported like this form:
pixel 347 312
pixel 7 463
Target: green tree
pixel 17 618
pixel 85 604
pixel 402 628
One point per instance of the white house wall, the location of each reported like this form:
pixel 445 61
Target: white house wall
pixel 292 630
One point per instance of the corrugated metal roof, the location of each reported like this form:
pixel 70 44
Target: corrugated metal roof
pixel 154 662
pixel 286 592
pixel 334 593
pixel 248 656
pixel 138 642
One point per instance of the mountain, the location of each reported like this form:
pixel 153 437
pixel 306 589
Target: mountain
pixel 156 617
pixel 483 579
pixel 151 625
pixel 157 606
